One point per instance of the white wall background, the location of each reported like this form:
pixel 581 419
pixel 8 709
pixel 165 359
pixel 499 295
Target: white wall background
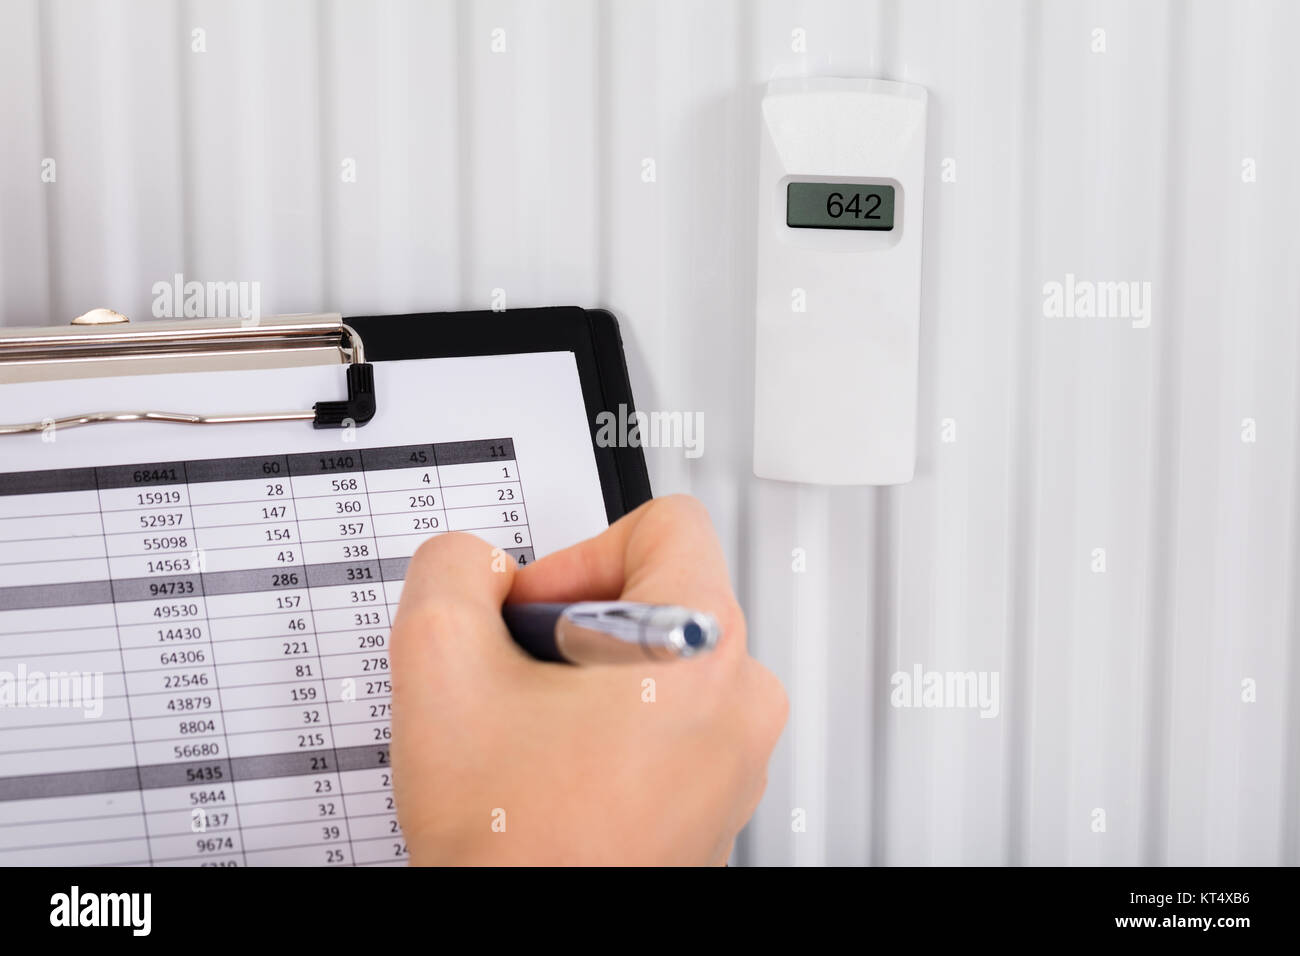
pixel 521 170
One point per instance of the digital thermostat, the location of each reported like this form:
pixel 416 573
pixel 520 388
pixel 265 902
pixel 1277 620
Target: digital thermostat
pixel 841 183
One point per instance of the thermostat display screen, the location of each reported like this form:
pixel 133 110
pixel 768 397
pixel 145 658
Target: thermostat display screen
pixel 839 206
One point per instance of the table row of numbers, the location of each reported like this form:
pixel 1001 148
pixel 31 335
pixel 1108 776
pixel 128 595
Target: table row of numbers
pixel 172 510
pixel 183 553
pixel 163 527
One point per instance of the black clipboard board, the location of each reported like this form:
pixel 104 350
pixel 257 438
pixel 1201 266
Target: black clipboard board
pixel 592 335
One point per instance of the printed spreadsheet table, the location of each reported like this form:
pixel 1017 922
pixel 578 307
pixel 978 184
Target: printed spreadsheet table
pixel 237 613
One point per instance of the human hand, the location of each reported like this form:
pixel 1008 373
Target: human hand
pixel 502 759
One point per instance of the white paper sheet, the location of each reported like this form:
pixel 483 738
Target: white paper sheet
pixel 193 619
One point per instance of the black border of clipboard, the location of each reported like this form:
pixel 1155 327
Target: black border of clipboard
pixel 592 335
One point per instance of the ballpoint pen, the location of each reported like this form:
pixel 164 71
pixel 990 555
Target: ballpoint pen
pixel 610 632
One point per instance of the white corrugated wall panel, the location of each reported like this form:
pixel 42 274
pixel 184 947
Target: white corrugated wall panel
pixel 483 173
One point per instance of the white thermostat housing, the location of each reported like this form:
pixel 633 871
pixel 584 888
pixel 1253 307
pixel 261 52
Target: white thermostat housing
pixel 841 183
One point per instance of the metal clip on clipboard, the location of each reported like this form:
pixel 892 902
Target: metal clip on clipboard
pixel 104 336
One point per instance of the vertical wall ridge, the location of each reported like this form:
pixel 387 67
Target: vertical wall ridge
pixel 1166 426
pixel 1024 450
pixel 884 622
pixel 329 293
pixel 185 145
pixel 882 629
pixel 604 129
pixel 1290 825
pixel 461 17
pixel 45 61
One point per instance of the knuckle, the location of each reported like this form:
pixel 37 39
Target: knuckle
pixel 681 502
pixel 678 509
pixel 731 619
pixel 771 705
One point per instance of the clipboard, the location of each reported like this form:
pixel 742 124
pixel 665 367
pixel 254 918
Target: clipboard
pixel 103 342
pixel 217 592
